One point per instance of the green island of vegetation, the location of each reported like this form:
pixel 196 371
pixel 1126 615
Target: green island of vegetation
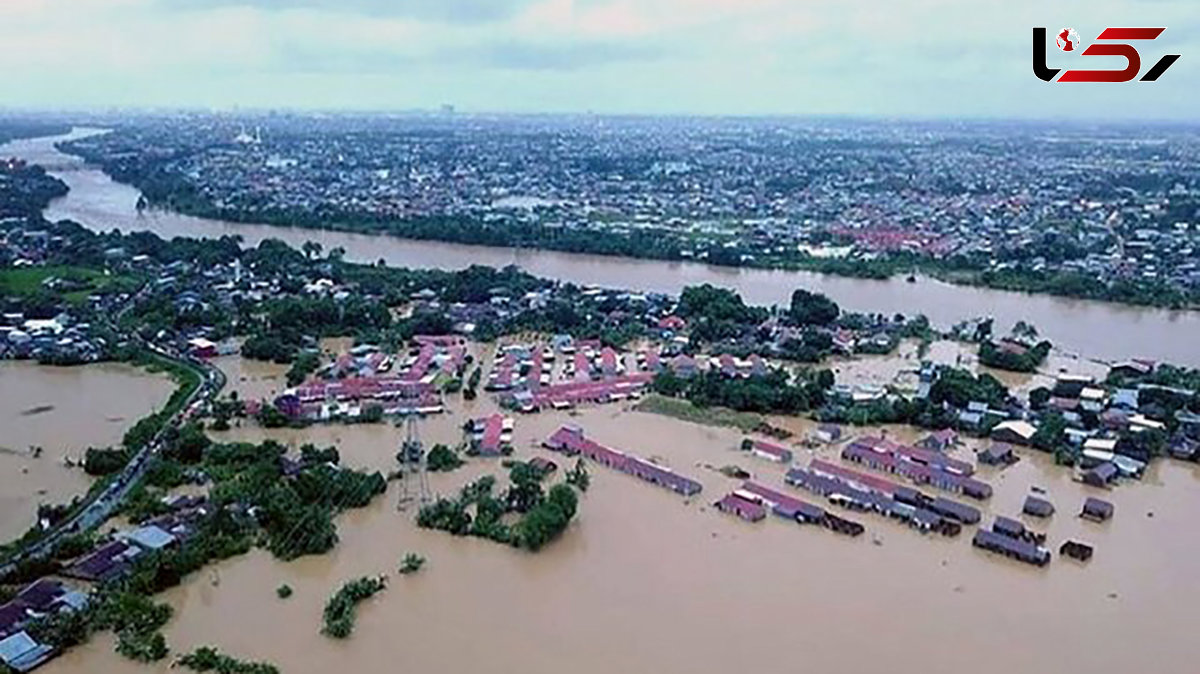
pixel 208 659
pixel 442 459
pixel 479 511
pixel 340 609
pixel 411 563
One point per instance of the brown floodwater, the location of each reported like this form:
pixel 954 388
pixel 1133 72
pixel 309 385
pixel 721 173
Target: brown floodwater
pixel 901 367
pixel 646 581
pixel 252 379
pixel 1095 329
pixel 63 410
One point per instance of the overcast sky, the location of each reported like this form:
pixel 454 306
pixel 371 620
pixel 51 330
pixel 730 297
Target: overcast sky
pixel 930 58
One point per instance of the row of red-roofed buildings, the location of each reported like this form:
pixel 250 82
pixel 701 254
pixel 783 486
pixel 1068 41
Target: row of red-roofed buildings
pixel 570 440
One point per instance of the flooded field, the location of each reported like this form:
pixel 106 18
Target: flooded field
pixel 252 379
pixel 63 411
pixel 900 368
pixel 646 581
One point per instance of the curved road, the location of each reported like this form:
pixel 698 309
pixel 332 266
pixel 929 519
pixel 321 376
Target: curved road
pixel 106 502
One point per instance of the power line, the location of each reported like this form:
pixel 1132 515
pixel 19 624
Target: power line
pixel 413 465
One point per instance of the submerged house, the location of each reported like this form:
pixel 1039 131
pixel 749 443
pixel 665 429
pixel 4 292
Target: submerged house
pixel 1096 510
pixel 770 451
pixel 21 653
pixel 492 435
pixel 570 440
pixel 803 512
pixel 1013 548
pixel 1076 550
pixel 1014 432
pixel 586 390
pixel 939 441
pixel 1010 538
pixel 1037 507
pixel 827 433
pixel 918 465
pixel 1008 527
pixel 743 504
pixel 923 457
pixel 959 512
pixel 1102 475
pixel 866 493
pixel 998 454
pixel 107 562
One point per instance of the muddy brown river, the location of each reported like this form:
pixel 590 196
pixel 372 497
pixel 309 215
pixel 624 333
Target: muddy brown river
pixel 1095 329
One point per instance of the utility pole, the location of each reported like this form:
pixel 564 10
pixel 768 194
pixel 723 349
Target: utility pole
pixel 415 478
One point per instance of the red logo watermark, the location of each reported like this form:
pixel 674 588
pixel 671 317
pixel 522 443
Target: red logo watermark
pixel 1068 41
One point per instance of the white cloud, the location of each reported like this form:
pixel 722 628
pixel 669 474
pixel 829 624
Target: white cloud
pixel 906 57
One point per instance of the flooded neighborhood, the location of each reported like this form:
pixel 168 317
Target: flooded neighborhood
pixel 999 482
pixel 642 559
pixel 1095 329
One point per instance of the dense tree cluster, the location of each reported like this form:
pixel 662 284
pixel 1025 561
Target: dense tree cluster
pixel 98 462
pixel 442 459
pixel 715 313
pixel 958 387
pixel 339 610
pixel 543 515
pixel 294 511
pixel 546 521
pixel 26 190
pixel 1001 358
pixel 208 659
pixel 774 392
pixel 809 308
pixel 411 563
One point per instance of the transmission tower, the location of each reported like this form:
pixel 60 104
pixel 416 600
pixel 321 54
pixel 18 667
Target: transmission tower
pixel 415 480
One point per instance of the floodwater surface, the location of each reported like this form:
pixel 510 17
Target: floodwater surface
pixel 647 581
pixel 63 411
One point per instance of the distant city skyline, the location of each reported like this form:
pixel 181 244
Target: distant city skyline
pixel 909 58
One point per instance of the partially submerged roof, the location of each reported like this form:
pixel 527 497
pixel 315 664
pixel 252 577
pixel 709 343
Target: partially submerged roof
pixel 150 537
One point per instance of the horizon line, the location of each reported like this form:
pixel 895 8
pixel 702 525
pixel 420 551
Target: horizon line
pixel 437 111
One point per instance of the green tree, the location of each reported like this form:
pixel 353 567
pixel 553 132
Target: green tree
pixel 809 308
pixel 578 476
pixel 442 459
pixel 411 563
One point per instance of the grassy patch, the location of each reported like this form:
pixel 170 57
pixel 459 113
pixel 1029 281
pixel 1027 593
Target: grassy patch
pixel 710 416
pixel 76 282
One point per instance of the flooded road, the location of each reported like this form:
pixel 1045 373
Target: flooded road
pixel 62 410
pixel 645 581
pixel 1095 329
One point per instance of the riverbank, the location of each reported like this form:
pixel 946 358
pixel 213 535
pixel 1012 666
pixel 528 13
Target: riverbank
pixel 1097 329
pixel 641 245
pixel 726 240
